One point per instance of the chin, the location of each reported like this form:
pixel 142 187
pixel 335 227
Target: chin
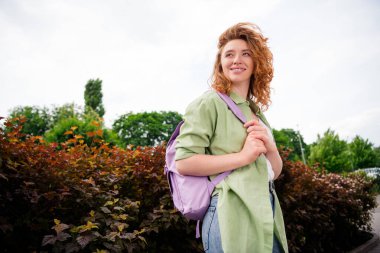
pixel 239 80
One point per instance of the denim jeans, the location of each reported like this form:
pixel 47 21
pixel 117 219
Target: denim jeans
pixel 276 244
pixel 211 239
pixel 210 229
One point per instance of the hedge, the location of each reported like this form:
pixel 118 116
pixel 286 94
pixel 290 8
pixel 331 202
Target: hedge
pixel 324 212
pixel 71 197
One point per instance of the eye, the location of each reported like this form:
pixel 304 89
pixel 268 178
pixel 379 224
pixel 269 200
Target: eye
pixel 228 55
pixel 247 54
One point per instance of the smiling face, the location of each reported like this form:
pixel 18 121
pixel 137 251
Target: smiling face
pixel 236 61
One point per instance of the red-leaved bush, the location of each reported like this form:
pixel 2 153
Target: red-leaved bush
pixel 73 197
pixel 95 198
pixel 324 212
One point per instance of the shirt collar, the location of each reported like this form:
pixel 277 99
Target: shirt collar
pixel 256 110
pixel 237 99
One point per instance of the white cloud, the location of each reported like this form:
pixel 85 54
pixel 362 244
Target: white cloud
pixel 366 124
pixel 158 55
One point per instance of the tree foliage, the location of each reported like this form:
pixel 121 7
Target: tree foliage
pixel 93 96
pixel 38 120
pixel 66 111
pixel 73 128
pixel 147 128
pixel 85 127
pixel 61 123
pixel 289 139
pixel 377 153
pixel 336 155
pixel 363 153
pixel 331 153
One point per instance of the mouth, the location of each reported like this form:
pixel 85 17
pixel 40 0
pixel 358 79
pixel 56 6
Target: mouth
pixel 237 70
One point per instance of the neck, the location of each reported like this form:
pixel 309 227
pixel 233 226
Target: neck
pixel 241 89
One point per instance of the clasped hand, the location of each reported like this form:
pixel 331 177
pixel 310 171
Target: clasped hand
pixel 257 142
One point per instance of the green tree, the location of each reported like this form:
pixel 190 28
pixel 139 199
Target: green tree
pixel 69 110
pixel 68 128
pixel 362 153
pixel 331 153
pixel 377 152
pixel 71 118
pixel 38 120
pixel 111 137
pixel 93 96
pixel 289 139
pixel 147 128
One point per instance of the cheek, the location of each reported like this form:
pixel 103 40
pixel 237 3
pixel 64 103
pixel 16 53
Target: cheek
pixel 224 66
pixel 250 64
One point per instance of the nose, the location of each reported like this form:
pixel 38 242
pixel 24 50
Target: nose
pixel 236 60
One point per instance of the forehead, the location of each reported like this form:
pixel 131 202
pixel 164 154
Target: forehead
pixel 236 45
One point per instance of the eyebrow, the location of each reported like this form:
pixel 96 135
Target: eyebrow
pixel 232 50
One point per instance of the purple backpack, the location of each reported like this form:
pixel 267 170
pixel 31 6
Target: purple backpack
pixel 192 194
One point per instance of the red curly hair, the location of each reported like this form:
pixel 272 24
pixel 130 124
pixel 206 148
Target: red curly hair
pixel 259 88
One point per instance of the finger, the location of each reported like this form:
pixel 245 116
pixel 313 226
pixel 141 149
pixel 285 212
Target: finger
pixel 256 128
pixel 261 148
pixel 263 137
pixel 257 141
pixel 258 134
pixel 251 123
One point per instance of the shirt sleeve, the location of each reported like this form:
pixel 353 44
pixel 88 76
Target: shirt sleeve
pixel 197 130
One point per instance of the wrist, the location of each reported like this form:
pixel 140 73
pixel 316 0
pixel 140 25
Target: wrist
pixel 242 159
pixel 272 152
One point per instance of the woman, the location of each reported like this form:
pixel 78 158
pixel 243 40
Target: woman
pixel 244 214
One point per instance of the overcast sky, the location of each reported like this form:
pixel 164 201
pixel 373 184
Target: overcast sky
pixel 158 55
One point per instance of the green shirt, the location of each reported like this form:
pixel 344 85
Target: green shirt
pixel 244 211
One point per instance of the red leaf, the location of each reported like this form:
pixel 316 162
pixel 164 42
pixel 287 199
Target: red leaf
pixel 90 134
pixel 48 239
pixel 2 176
pixel 68 132
pixel 63 236
pixel 84 240
pixel 60 227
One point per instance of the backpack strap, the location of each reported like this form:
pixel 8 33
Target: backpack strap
pixel 233 107
pixel 239 114
pixel 220 177
pixel 175 133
